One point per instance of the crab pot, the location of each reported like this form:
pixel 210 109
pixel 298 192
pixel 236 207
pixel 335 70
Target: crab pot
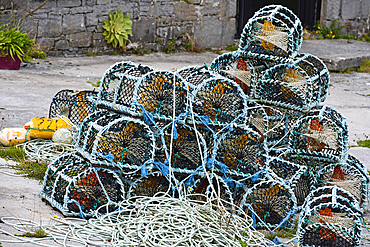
pixel 75 105
pixel 109 139
pixel 195 75
pixel 271 204
pixel 288 86
pixel 318 75
pixel 348 177
pixel 219 100
pixel 330 217
pixel 321 135
pixel 76 188
pixel 187 154
pixel 239 152
pixel 274 32
pixel 159 93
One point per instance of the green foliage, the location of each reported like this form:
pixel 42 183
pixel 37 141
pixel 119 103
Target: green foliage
pixel 364 143
pixel 36 52
pixel 117 29
pixel 188 46
pixel 282 233
pixel 97 84
pixel 13 42
pixel 231 48
pixel 170 47
pixel 141 52
pixel 325 32
pixel 32 169
pixel 13 153
pixel 365 67
pixel 39 233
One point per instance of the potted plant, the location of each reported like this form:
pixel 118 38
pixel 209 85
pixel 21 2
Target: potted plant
pixel 14 45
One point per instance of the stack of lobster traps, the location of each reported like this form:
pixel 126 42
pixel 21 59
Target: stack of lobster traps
pixel 250 126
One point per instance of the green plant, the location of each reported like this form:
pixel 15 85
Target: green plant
pixel 325 32
pixel 117 29
pixel 365 67
pixel 35 51
pixel 97 84
pixel 14 42
pixel 32 169
pixel 364 143
pixel 39 233
pixel 169 47
pixel 231 48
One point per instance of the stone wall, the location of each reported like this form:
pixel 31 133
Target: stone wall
pixel 75 26
pixel 354 15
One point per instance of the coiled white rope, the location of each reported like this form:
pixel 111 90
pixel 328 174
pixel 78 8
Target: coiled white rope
pixel 45 150
pixel 154 221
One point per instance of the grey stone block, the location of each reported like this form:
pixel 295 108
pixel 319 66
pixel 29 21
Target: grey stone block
pixel 61 45
pixel 208 9
pixel 143 30
pixel 50 27
pixel 92 19
pixel 331 9
pixel 350 9
pixel 103 1
pixel 98 36
pixel 185 12
pixel 81 10
pixel 365 9
pixel 213 32
pixel 73 23
pixel 232 8
pixel 164 9
pixel 82 39
pixel 45 43
pixel 46 8
pixel 69 3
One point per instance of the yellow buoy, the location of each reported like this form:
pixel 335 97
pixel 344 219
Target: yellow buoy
pixel 13 136
pixel 45 127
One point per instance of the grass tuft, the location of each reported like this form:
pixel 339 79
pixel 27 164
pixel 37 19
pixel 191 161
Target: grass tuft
pixel 364 143
pixel 365 67
pixel 32 169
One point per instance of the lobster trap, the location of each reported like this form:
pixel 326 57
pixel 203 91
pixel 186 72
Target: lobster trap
pixel 330 217
pixel 114 140
pixel 348 177
pixel 321 135
pixel 72 104
pixel 271 204
pixel 76 188
pixel 274 33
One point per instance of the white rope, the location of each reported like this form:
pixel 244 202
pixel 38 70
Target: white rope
pixel 154 221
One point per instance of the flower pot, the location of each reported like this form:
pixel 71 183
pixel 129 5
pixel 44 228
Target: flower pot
pixel 7 62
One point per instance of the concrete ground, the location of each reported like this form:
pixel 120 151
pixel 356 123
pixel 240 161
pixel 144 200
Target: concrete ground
pixel 26 94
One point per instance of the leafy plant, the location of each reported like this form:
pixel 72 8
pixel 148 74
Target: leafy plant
pixel 32 169
pixel 13 42
pixel 365 67
pixel 325 32
pixel 36 52
pixel 169 47
pixel 97 84
pixel 117 29
pixel 39 233
pixel 364 143
pixel 231 48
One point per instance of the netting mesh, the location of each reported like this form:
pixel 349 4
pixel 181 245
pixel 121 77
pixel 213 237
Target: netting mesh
pixel 77 189
pixel 321 134
pixel 273 31
pixel 347 177
pixel 115 140
pixel 331 217
pixel 273 202
pixel 219 100
pixel 72 104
